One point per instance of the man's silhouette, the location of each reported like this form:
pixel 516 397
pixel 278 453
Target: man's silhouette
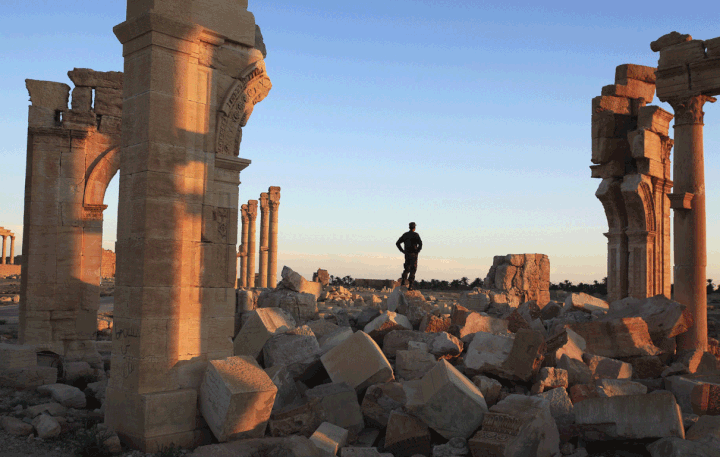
pixel 412 247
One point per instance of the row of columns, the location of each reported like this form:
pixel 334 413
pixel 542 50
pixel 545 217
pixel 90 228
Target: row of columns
pixel 12 249
pixel 269 204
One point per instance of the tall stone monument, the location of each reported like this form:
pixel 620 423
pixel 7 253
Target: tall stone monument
pixel 193 73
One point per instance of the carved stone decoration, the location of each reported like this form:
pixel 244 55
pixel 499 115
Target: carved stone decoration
pixel 251 88
pixel 689 111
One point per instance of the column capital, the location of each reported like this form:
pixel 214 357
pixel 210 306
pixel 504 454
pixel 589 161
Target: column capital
pixel 244 212
pixel 252 209
pixel 264 201
pixel 688 111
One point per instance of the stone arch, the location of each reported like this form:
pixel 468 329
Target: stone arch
pixel 99 174
pixel 638 196
pixel 642 236
pixel 610 195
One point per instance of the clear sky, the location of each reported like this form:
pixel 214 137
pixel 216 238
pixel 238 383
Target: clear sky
pixel 470 118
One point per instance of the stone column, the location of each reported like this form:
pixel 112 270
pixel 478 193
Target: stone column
pixel 264 209
pixel 12 250
pixel 688 201
pixel 250 269
pixel 2 262
pixel 274 195
pixel 243 246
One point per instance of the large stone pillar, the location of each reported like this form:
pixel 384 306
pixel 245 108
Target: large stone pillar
pixel 252 216
pixel 192 77
pixel 264 230
pixel 243 246
pixel 2 261
pixel 12 250
pixel 274 195
pixel 688 201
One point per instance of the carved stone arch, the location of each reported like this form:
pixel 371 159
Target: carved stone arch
pixel 98 177
pixel 610 195
pixel 640 203
pixel 250 88
pixel 643 256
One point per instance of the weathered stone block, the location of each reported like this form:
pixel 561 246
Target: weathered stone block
pixel 636 72
pixel 28 377
pixel 619 105
pixel 47 94
pixel 380 400
pixel 631 88
pixel 397 340
pixel 413 364
pixel 338 404
pixel 514 356
pixel 406 435
pixel 236 398
pixel 329 438
pixel 66 395
pixel 655 119
pixel 260 326
pixel 490 388
pixel 357 361
pixel 295 282
pixel 15 426
pixel 386 323
pixel 665 318
pixel 626 337
pixel 607 368
pixel 681 54
pixel 297 349
pixel 619 387
pixel 291 446
pixel 559 403
pixel 287 392
pixel 46 426
pixel 448 402
pixel 14 356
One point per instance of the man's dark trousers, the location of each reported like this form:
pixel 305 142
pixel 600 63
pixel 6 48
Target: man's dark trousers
pixel 410 267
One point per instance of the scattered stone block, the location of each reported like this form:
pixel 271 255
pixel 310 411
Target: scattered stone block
pixel 287 392
pixel 475 300
pixel 72 371
pixel 302 306
pixel 585 302
pixel 397 340
pixel 15 426
pixel 53 409
pixel 676 447
pixel 514 356
pixel 619 387
pixel 413 364
pixel 654 415
pixel 66 395
pixel 297 349
pixel 329 438
pixel 363 452
pixel 455 447
pixel 385 323
pixel 294 281
pixel 466 325
pixel 626 337
pixel 357 361
pixel 301 418
pixel 445 344
pixel 705 425
pixel 333 339
pixel 697 361
pixel 578 371
pixel 339 405
pixel 561 407
pixel 448 402
pixel 380 400
pixel 490 388
pixel 665 318
pixel 236 398
pixel 28 377
pixel 705 398
pixel 46 426
pixel 515 427
pixel 16 356
pixel 291 446
pixel 260 326
pixel 646 367
pixel 607 368
pixel 580 392
pixel 434 324
pixel 322 327
pixel 396 299
pixel 550 378
pixel 406 435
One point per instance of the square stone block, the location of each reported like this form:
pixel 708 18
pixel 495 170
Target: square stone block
pixel 329 438
pixel 236 398
pixel 14 356
pixel 357 361
pixel 260 326
pixel 339 405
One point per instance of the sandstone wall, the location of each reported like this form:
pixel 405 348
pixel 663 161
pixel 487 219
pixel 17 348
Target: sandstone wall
pixel 108 264
pixel 526 276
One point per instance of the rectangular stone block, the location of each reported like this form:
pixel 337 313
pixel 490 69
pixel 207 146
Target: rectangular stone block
pixel 618 105
pixel 672 82
pixel 655 119
pixel 357 361
pixel 407 435
pixel 338 404
pixel 625 337
pixel 28 377
pixel 607 149
pixel 236 398
pixel 329 438
pixel 636 72
pixel 681 54
pixel 611 169
pixel 260 326
pixel 645 144
pixel 607 124
pixel 631 88
pixel 14 356
pixel 705 76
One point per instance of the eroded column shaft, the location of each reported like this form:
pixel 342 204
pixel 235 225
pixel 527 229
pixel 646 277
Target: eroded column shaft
pixel 243 246
pixel 12 250
pixel 3 250
pixel 264 230
pixel 274 195
pixel 250 268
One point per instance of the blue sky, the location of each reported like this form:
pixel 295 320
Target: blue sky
pixel 470 118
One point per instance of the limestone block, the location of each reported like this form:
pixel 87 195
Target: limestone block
pixel 431 323
pixel 300 418
pixel 297 349
pixel 333 339
pixel 329 438
pixel 490 388
pixel 77 370
pixel 47 94
pixel 28 377
pixel 301 306
pixel 673 446
pixel 467 325
pixel 607 149
pixel 398 340
pixel 550 378
pixel 559 402
pixel 396 299
pixel 108 101
pixel 291 446
pixel 517 426
pixel 619 387
pixel 357 361
pixel 580 392
pixel 339 405
pixel 413 364
pixel 681 54
pixel 454 447
pixel 86 77
pixel 706 425
pixel 15 426
pixel 665 318
pixel 647 367
pixel 66 395
pixel 567 343
pixel 516 357
pixel 287 392
pixel 366 316
pixel 585 302
pixel 385 323
pixel 53 409
pixel 406 435
pixel 645 144
pixel 295 282
pixel 636 72
pixel 448 402
pixel 705 398
pixel 475 300
pixel 81 98
pixel 236 398
pixel 445 344
pixel 578 371
pixel 321 327
pixel 625 337
pixel 607 368
pixel 380 400
pixel 654 415
pixel 619 105
pixel 46 426
pixel 631 88
pixel 655 119
pixel 246 301
pixel 607 124
pixel 14 356
pixel 682 387
pixel 363 452
pixel 260 326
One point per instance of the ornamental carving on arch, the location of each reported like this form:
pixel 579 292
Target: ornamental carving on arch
pixel 640 204
pixel 250 88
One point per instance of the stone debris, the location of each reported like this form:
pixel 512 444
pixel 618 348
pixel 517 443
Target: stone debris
pixel 705 425
pixel 585 302
pixel 513 356
pixel 456 447
pixel 398 340
pixel 550 378
pixel 15 426
pixel 236 398
pixel 287 392
pixel 619 387
pixel 665 318
pixel 66 395
pixel 46 426
pixel 673 446
pixel 380 400
pixel 329 438
pixel 298 350
pixel 515 427
pixel 295 282
pixel 561 407
pixel 406 435
pixel 365 366
pixel 338 404
pixel 413 364
pixel 607 368
pixel 386 323
pixel 465 324
pixel 525 276
pixel 259 327
pixel 489 387
pixel 16 356
pixel 626 337
pixel 290 446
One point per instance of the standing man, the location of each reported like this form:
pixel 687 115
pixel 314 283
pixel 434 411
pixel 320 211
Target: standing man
pixel 412 247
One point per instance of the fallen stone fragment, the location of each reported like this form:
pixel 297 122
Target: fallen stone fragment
pixel 550 378
pixel 682 387
pixel 236 398
pixel 14 356
pixel 514 356
pixel 456 447
pixel 357 361
pixel 28 377
pixel 291 446
pixel 53 409
pixel 406 435
pixel 626 337
pixel 46 426
pixel 396 299
pixel 297 349
pixel 329 438
pixel 112 444
pixel 607 368
pixel 302 306
pixel 647 367
pixel 334 338
pixel 66 395
pixel 697 361
pixel 490 388
pixel 580 392
pixel 398 340
pixel 301 418
pixel 72 371
pixel 366 316
pixel 294 281
pixel 655 415
pixel 15 426
pixel 448 402
pixel 363 452
pixel 445 344
pixel 380 400
pixel 287 392
pixel 413 364
pixel 339 405
pixel 677 447
pixel 619 387
pixel 561 407
pixel 434 324
pixel 517 426
pixel 585 302
pixel 665 318
pixel 322 327
pixel 705 398
pixel 465 324
pixel 260 326
pixel 705 425
pixel 386 323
